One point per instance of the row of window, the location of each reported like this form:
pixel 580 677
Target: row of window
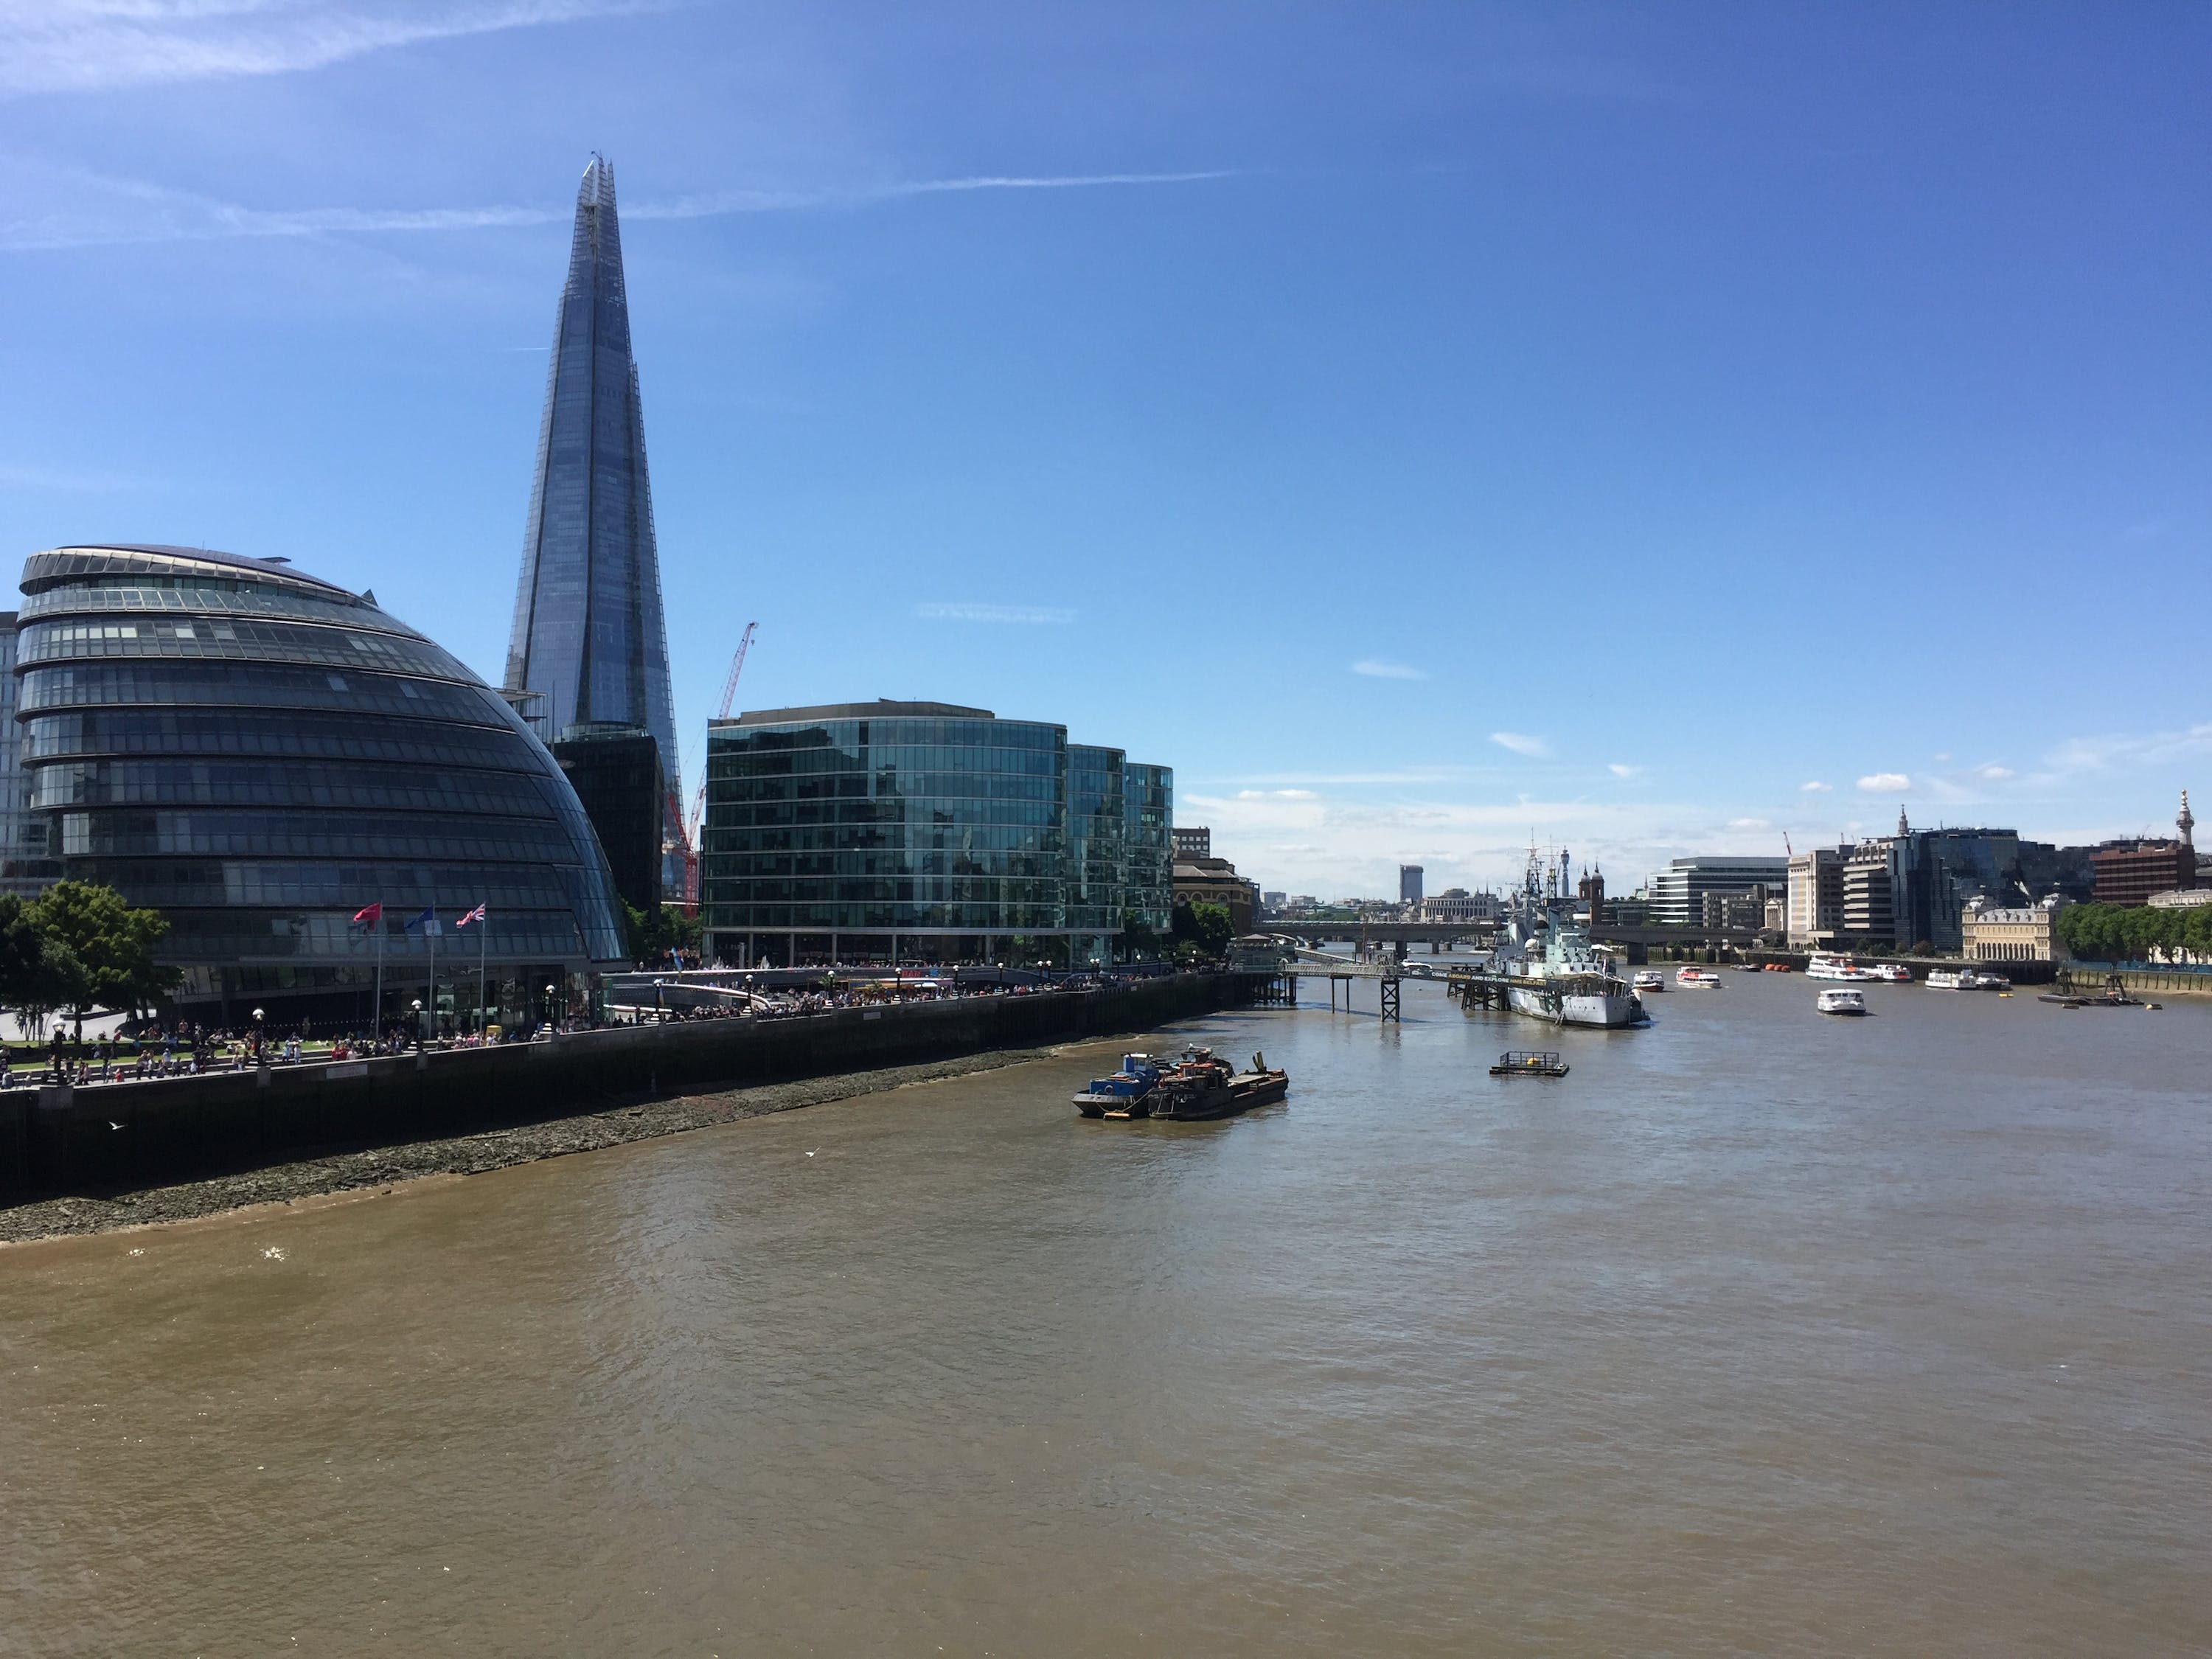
pixel 758 825
pixel 200 935
pixel 452 889
pixel 246 731
pixel 963 918
pixel 256 685
pixel 187 638
pixel 115 833
pixel 263 783
pixel 898 732
pixel 914 839
pixel 139 596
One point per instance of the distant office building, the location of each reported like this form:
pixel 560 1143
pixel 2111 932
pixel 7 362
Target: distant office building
pixel 2130 873
pixel 1869 883
pixel 615 773
pixel 1271 903
pixel 261 754
pixel 1409 884
pixel 2012 934
pixel 1814 908
pixel 588 633
pixel 1457 905
pixel 26 868
pixel 1678 892
pixel 875 831
pixel 1744 912
pixel 1148 816
pixel 1193 842
pixel 1910 888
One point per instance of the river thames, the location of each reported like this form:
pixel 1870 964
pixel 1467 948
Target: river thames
pixel 1757 1333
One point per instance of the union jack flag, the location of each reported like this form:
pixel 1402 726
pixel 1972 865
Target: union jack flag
pixel 477 915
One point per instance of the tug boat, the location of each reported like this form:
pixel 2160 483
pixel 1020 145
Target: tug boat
pixel 1196 1086
pixel 1841 1002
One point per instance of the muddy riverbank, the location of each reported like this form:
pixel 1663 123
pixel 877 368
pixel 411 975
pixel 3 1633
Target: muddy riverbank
pixel 470 1154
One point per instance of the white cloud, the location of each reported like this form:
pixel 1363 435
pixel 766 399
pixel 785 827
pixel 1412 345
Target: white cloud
pixel 1277 794
pixel 99 210
pixel 1521 743
pixel 1813 787
pixel 1885 783
pixel 1386 671
pixel 2098 754
pixel 1943 755
pixel 1621 769
pixel 89 45
pixel 1749 824
pixel 41 478
pixel 1995 774
pixel 995 613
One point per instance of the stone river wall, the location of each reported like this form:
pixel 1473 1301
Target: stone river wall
pixel 108 1137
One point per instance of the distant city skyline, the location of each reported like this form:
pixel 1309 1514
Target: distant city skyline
pixel 1656 433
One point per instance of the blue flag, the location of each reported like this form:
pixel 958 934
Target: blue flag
pixel 428 920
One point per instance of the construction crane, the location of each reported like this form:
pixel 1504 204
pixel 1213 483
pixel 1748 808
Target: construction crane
pixel 691 824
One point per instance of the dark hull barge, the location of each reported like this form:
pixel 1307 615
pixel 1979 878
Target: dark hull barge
pixel 1193 1088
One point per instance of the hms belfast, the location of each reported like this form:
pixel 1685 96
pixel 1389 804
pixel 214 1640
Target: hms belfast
pixel 1545 965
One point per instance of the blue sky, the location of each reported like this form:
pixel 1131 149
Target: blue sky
pixel 1658 429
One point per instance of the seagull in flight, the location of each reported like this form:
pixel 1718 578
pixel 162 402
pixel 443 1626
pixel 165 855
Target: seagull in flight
pixel 811 1154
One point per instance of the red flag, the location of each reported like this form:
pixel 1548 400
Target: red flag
pixel 369 913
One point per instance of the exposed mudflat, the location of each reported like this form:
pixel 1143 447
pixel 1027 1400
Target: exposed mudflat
pixel 473 1154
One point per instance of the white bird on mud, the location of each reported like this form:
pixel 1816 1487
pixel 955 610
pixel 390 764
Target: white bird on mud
pixel 811 1154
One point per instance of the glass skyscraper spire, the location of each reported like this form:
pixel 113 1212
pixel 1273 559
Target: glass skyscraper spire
pixel 588 633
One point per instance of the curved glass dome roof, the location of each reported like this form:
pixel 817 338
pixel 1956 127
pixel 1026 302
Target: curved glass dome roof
pixel 260 754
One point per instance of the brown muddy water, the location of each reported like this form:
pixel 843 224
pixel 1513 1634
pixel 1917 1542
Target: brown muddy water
pixel 1758 1332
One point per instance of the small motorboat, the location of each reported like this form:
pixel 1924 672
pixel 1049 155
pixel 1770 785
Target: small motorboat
pixel 1704 979
pixel 1648 979
pixel 1197 1085
pixel 1841 1002
pixel 1839 968
pixel 1895 972
pixel 1528 1062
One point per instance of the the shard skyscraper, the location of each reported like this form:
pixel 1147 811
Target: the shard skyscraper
pixel 588 633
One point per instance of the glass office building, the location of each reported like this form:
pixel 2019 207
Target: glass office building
pixel 1148 843
pixel 260 754
pixel 589 637
pixel 916 831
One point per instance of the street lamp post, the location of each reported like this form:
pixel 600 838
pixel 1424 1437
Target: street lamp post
pixel 656 1002
pixel 418 1021
pixel 552 1019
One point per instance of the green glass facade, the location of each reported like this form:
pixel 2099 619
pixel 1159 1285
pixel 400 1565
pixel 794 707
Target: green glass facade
pixel 920 831
pixel 1148 843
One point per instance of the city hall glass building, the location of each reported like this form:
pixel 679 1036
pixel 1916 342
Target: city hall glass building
pixel 260 754
pixel 926 832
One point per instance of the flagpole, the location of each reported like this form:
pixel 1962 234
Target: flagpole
pixel 431 928
pixel 376 1019
pixel 483 943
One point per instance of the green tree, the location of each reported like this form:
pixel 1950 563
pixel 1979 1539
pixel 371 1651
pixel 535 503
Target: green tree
pixel 1202 930
pixel 1139 939
pixel 95 951
pixel 650 937
pixel 22 986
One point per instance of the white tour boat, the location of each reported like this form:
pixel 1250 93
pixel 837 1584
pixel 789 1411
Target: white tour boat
pixel 1895 972
pixel 1700 978
pixel 1648 979
pixel 1549 968
pixel 1965 979
pixel 1839 968
pixel 1841 1002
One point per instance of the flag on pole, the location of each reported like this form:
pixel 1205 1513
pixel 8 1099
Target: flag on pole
pixel 477 915
pixel 428 921
pixel 369 913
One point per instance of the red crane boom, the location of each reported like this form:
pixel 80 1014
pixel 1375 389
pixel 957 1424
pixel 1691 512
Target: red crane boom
pixel 699 798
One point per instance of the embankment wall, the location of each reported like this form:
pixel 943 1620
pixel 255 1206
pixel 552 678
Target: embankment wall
pixel 108 1137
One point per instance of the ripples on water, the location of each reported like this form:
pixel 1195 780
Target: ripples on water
pixel 1758 1332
